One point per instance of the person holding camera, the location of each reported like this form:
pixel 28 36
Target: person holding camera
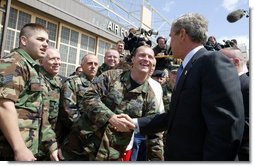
pixel 212 44
pixel 161 46
pixel 136 38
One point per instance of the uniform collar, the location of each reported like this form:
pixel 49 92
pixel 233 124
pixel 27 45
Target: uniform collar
pixel 24 54
pixel 125 78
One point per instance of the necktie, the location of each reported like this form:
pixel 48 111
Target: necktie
pixel 179 72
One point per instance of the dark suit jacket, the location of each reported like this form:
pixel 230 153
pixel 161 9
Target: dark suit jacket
pixel 245 81
pixel 206 117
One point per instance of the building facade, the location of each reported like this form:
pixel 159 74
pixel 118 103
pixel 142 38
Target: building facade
pixel 74 28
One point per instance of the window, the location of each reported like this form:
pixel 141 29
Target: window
pixel 65 33
pixel 13 18
pixel 64 52
pixel 23 19
pixel 102 48
pixel 52 30
pixel 73 55
pixel 17 19
pixel 70 69
pixel 81 55
pixel 10 35
pixel 87 45
pixel 73 46
pixel 91 44
pixel 74 38
pixel 63 70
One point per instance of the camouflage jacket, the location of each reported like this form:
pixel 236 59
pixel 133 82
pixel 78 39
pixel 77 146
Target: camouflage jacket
pixel 54 85
pixel 167 92
pixel 21 83
pixel 71 108
pixel 102 68
pixel 92 135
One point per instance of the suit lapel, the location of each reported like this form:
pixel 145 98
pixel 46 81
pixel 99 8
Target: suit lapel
pixel 178 88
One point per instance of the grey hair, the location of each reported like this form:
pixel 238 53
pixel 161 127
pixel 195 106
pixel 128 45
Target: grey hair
pixel 83 59
pixel 195 25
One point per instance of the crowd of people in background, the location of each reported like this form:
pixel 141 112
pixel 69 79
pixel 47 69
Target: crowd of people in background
pixel 183 101
pixel 213 45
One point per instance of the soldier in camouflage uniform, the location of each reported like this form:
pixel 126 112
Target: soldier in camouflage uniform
pixel 21 100
pixel 51 65
pixel 49 72
pixel 71 94
pixel 167 92
pixel 168 88
pixel 99 134
pixel 161 77
pixel 111 60
pixel 138 151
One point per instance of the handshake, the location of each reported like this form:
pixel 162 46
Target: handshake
pixel 122 123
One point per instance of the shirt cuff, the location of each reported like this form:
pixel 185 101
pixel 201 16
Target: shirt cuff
pixel 136 129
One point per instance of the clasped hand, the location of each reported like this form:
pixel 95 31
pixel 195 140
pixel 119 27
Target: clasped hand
pixel 122 123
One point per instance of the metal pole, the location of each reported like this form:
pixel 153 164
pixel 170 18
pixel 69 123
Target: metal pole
pixel 5 25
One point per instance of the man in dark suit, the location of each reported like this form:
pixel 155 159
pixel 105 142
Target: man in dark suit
pixel 206 117
pixel 240 59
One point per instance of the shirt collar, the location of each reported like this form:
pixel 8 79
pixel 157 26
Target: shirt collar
pixel 190 55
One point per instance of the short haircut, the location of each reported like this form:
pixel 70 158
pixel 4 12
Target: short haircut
pixel 82 60
pixel 237 53
pixel 120 41
pixel 195 25
pixel 135 50
pixel 111 49
pixel 26 29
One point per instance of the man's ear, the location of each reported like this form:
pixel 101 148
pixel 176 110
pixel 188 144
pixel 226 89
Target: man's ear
pixel 132 58
pixel 182 33
pixel 23 40
pixel 236 61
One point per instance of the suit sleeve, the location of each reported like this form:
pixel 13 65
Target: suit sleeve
pixel 153 123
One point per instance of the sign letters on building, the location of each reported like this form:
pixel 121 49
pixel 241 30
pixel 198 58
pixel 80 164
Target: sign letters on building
pixel 116 29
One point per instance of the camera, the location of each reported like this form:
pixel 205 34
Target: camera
pixel 137 38
pixel 213 47
pixel 228 43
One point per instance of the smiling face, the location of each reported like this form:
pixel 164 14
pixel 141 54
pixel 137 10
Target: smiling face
pixel 143 60
pixel 161 42
pixel 52 62
pixel 112 58
pixel 120 47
